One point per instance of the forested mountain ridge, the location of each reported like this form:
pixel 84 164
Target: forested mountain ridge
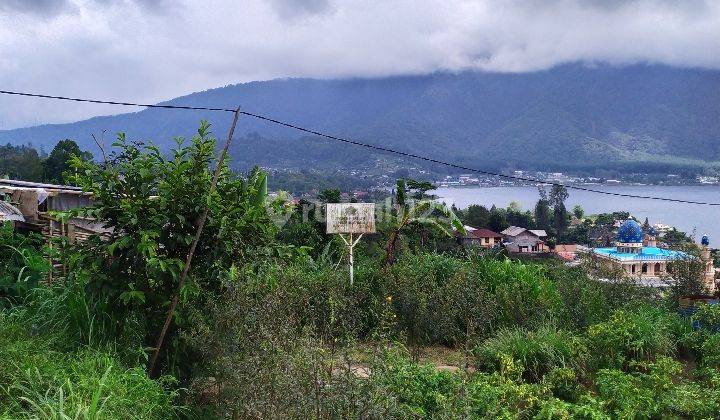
pixel 569 116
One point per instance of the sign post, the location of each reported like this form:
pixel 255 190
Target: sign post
pixel 350 218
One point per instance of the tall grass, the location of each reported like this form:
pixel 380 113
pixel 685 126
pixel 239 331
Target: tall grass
pixel 39 381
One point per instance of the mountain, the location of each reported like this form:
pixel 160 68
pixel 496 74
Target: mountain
pixel 571 116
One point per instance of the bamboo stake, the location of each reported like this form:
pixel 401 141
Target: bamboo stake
pixel 193 245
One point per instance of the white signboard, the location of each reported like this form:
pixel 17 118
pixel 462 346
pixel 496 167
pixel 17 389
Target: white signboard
pixel 350 218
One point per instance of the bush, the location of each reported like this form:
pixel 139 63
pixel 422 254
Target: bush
pixel 23 263
pixel 708 317
pixel 710 351
pixel 655 390
pixel 640 333
pixel 447 300
pixel 535 353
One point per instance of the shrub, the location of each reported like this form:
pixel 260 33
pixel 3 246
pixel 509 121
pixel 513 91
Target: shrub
pixel 655 389
pixel 640 333
pixel 535 352
pixel 523 294
pixel 710 351
pixel 446 300
pixel 22 262
pixel 421 390
pixel 624 394
pixel 708 317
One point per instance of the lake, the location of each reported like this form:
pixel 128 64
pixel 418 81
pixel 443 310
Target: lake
pixel 686 217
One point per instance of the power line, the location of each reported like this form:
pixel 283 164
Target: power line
pixel 368 146
pixel 95 101
pixel 465 168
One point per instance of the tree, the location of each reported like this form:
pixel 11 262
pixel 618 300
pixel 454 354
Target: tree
pixel 20 162
pixel 543 214
pixel 560 219
pixel 55 167
pixel 407 212
pixel 330 195
pixel 578 211
pixel 152 203
pixel 558 195
pixel 497 222
pixel 477 216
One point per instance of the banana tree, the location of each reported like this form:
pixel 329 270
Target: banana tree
pixel 408 212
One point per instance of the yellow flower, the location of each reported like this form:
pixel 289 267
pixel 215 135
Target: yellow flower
pixel 389 299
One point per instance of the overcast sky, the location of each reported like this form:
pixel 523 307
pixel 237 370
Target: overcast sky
pixel 152 50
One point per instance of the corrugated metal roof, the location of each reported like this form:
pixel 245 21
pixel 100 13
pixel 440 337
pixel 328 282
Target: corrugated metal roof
pixel 28 184
pixel 513 231
pixel 10 212
pixel 539 232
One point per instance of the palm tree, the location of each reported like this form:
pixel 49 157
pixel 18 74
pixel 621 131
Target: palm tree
pixel 407 212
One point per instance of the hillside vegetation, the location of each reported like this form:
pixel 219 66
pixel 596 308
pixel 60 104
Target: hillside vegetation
pixel 268 325
pixel 570 117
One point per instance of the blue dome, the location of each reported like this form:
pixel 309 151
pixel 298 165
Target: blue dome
pixel 652 231
pixel 705 240
pixel 630 232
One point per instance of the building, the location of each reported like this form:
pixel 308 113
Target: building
pixel 29 205
pixel 525 241
pixel 637 253
pixel 485 238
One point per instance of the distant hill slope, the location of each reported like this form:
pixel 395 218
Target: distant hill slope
pixel 572 115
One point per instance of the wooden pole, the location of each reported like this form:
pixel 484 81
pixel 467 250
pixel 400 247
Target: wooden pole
pixel 193 245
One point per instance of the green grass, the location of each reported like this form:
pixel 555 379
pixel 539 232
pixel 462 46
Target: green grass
pixel 39 381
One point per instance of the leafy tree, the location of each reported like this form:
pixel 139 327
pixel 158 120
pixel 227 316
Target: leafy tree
pixel 407 213
pixel 558 195
pixel 497 221
pixel 519 218
pixel 20 162
pixel 543 215
pixel 151 204
pixel 58 163
pixel 330 195
pixel 560 219
pixel 578 211
pixel 476 216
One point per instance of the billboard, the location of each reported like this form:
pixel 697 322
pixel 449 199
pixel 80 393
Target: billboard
pixel 350 217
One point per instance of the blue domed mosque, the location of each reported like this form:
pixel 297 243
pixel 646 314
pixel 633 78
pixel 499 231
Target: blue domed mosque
pixel 637 253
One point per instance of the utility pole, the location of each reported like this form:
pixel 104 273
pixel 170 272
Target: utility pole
pixel 193 245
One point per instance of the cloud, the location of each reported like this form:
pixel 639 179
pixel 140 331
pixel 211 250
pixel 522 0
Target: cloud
pixel 37 7
pixel 151 50
pixel 294 9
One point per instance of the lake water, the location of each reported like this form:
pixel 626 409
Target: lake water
pixel 686 217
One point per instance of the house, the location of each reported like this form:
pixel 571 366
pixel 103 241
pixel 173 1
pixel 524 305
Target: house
pixel 525 241
pixel 485 238
pixel 29 205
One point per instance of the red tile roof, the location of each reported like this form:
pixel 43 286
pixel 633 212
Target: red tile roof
pixel 483 233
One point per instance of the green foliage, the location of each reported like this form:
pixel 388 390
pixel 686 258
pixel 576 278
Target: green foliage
pixel 20 162
pixel 535 353
pixel 633 334
pixel 57 164
pixel 441 299
pixel 37 381
pixel 653 390
pixel 412 211
pixel 23 263
pixel 152 204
